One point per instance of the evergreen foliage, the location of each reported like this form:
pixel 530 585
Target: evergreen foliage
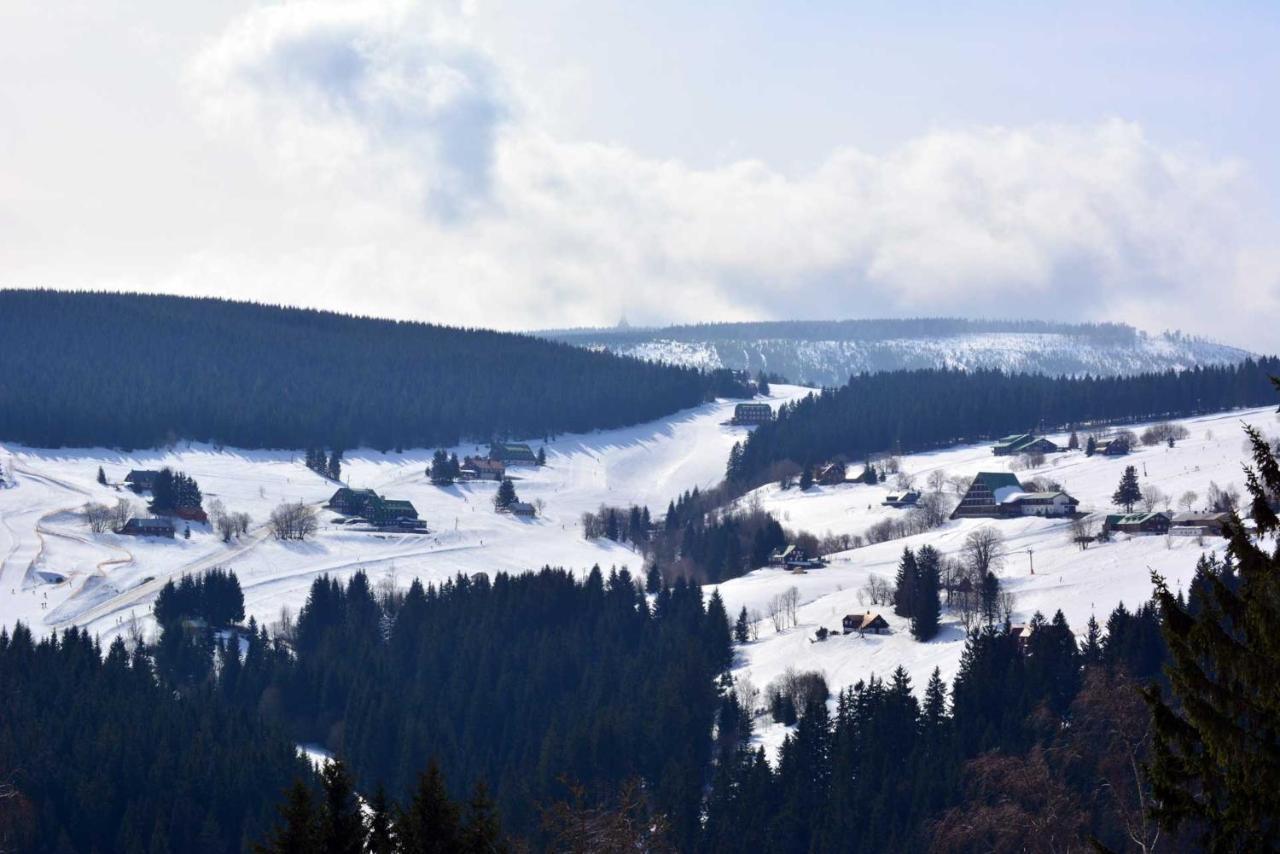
pixel 132 370
pixel 1128 493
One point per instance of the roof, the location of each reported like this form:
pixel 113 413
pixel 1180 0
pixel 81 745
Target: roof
pixel 994 480
pixel 397 504
pixel 1200 518
pixel 1037 496
pixel 150 522
pixel 1134 518
pixel 863 621
pixel 141 474
pixel 521 508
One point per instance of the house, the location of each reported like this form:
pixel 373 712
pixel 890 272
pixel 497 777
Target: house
pixel 191 514
pixel 513 454
pixel 141 480
pixel 905 499
pixel 794 557
pixel 480 468
pixel 862 623
pixel 522 508
pixel 1112 447
pixel 1021 635
pixel 752 413
pixel 1138 523
pixel 393 508
pixel 831 474
pixel 986 495
pixel 154 526
pixel 351 502
pixel 1023 443
pixel 1194 524
pixel 1040 504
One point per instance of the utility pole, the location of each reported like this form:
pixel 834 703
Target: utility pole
pixel 1031 559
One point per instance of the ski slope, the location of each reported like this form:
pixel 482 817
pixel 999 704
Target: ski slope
pixel 54 573
pixel 1080 583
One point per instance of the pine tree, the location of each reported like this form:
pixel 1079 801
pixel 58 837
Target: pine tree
pixel 542 456
pixel 990 598
pixel 1073 442
pixel 762 384
pixel 1215 764
pixel 926 608
pixel 506 495
pixel 341 823
pixel 1091 649
pixel 904 591
pixel 381 833
pixel 1128 493
pixel 742 628
pixel 1090 447
pixel 441 471
pixel 431 824
pixel 653 579
pixel 102 476
pixel 297 831
pixel 335 464
pixel 482 831
pixel 806 477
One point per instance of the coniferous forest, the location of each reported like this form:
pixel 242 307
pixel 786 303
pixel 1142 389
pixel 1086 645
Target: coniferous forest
pixel 131 370
pixel 911 411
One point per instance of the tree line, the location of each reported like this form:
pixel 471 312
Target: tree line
pixel 911 411
pixel 135 371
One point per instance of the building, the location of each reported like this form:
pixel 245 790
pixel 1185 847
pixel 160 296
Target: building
pixel 513 454
pixel 351 502
pixel 752 413
pixel 1194 524
pixel 153 526
pixel 863 623
pixel 522 508
pixel 141 480
pixel 986 495
pixel 480 468
pixel 1138 523
pixel 831 474
pixel 1021 635
pixel 1023 443
pixel 1112 447
pixel 905 499
pixel 1040 504
pixel 794 557
pixel 191 514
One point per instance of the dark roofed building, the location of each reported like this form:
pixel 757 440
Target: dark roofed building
pixel 868 622
pixel 752 413
pixel 513 453
pixel 351 502
pixel 1023 443
pixel 1200 523
pixel 155 526
pixel 1112 447
pixel 479 468
pixel 831 474
pixel 522 508
pixel 905 499
pixel 141 480
pixel 986 494
pixel 1138 523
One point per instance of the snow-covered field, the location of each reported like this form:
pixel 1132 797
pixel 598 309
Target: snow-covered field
pixel 54 573
pixel 1080 583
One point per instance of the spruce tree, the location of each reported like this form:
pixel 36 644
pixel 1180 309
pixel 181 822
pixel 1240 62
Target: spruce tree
pixel 806 477
pixel 1091 649
pixel 381 832
pixel 506 495
pixel 1215 762
pixel 431 824
pixel 542 456
pixel 102 476
pixel 926 608
pixel 1073 442
pixel 335 464
pixel 1128 493
pixel 341 823
pixel 653 579
pixel 904 592
pixel 482 831
pixel 297 831
pixel 742 628
pixel 1090 447
pixel 990 594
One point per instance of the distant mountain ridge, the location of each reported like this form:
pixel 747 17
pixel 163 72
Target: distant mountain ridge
pixel 828 352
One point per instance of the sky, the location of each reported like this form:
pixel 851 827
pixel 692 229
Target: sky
pixel 567 163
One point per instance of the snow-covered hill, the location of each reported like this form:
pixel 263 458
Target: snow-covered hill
pixel 54 572
pixel 827 354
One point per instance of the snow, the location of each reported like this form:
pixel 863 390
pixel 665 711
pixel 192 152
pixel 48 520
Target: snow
pixel 1080 583
pixel 55 573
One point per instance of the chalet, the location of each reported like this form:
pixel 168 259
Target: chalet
pixel 141 480
pixel 1192 524
pixel 905 499
pixel 1112 447
pixel 1138 523
pixel 832 474
pixel 351 502
pixel 480 468
pixel 752 413
pixel 1021 635
pixel 986 495
pixel 794 557
pixel 1023 443
pixel 513 454
pixel 522 508
pixel 1040 504
pixel 863 623
pixel 155 526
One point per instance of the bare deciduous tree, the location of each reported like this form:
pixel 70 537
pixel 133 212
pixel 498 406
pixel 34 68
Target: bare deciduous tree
pixel 97 517
pixel 984 550
pixel 295 521
pixel 1187 500
pixel 936 480
pixel 122 513
pixel 1153 497
pixel 754 619
pixel 1082 531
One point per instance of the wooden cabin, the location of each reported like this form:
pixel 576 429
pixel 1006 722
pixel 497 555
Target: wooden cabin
pixel 863 623
pixel 152 526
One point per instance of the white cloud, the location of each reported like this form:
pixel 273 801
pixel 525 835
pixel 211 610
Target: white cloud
pixel 399 172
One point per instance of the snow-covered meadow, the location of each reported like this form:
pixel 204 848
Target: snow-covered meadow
pixel 55 573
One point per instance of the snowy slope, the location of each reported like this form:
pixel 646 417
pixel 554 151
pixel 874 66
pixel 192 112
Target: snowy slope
pixel 831 362
pixel 55 573
pixel 1081 583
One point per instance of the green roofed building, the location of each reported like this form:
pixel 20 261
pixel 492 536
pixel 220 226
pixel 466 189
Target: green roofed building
pixel 513 453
